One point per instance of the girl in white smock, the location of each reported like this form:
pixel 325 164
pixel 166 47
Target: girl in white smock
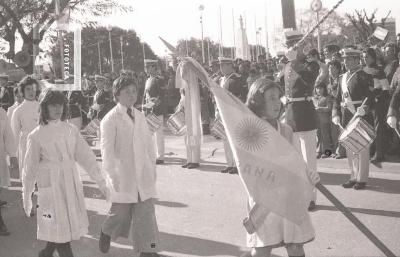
pixel 53 149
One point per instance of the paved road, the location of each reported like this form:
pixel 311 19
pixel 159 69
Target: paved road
pixel 200 212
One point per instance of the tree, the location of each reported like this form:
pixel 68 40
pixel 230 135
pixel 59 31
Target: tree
pixel 364 24
pixel 27 16
pixel 97 38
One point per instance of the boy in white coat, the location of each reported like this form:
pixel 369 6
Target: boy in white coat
pixel 129 166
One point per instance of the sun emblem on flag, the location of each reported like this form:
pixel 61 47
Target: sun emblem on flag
pixel 251 134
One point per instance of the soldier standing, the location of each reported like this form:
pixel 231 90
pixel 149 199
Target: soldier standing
pixel 153 94
pixel 354 87
pixel 299 79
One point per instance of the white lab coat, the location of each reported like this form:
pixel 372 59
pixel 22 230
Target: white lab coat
pixel 11 110
pixel 129 154
pixel 24 119
pixel 7 148
pixel 52 153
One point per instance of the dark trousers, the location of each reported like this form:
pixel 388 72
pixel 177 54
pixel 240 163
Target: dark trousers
pixel 63 249
pixel 382 131
pixel 1 220
pixel 324 137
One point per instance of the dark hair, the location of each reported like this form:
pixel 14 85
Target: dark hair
pixel 323 86
pixel 26 81
pixel 48 97
pixel 336 64
pixel 16 91
pixel 120 83
pixel 371 52
pixel 255 98
pixel 313 52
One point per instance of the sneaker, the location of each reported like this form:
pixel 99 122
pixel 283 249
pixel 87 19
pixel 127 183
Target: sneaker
pixel 359 185
pixel 233 170
pixel 104 242
pixel 349 184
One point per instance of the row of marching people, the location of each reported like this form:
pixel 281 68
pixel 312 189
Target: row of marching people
pixel 45 148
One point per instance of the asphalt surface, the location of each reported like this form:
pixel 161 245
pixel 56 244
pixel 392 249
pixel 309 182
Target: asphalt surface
pixel 200 211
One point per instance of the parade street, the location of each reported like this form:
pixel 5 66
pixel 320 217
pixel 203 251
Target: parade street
pixel 200 211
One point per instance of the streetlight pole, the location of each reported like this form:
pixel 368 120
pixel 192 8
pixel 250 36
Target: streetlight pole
pixel 201 8
pixel 98 49
pixel 111 50
pixel 122 52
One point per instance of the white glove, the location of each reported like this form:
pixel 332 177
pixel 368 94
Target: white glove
pixel 313 176
pixel 336 120
pixel 27 204
pixel 392 122
pixel 360 111
pixel 115 182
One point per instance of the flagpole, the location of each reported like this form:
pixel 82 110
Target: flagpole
pixel 221 49
pixel 208 52
pixel 256 30
pixel 122 52
pixel 266 31
pixel 234 40
pixel 98 49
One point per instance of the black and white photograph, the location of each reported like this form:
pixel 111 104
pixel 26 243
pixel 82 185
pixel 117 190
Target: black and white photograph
pixel 199 128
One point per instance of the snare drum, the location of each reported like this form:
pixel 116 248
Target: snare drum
pixel 153 122
pixel 218 129
pixel 176 123
pixel 357 136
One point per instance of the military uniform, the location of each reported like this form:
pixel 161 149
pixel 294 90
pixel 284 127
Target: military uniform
pixel 381 91
pixel 154 93
pixel 354 87
pixel 395 100
pixel 299 79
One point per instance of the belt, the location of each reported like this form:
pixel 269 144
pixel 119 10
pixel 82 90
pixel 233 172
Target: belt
pixel 344 104
pixel 298 99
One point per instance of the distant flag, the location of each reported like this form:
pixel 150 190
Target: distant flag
pixel 242 45
pixel 272 171
pixel 169 46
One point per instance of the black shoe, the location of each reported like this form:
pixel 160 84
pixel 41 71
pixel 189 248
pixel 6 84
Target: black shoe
pixel 226 170
pixel 193 165
pixel 311 207
pixel 319 155
pixel 4 231
pixel 233 170
pixel 359 185
pixel 104 242
pixel 185 165
pixel 349 184
pixel 158 161
pixel 2 203
pixel 338 156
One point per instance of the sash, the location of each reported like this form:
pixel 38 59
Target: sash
pixel 345 92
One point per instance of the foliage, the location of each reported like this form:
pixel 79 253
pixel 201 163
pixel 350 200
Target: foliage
pixel 26 16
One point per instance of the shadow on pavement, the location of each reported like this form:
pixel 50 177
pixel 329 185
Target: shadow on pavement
pixel 170 204
pixel 374 184
pixel 394 214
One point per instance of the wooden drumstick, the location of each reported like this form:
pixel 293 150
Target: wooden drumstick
pixel 397 132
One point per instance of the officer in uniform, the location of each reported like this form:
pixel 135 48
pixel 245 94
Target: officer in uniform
pixel 232 82
pixel 393 112
pixel 154 95
pixel 6 93
pixel 354 87
pixel 299 78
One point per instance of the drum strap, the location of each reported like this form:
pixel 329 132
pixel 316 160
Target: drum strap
pixel 345 92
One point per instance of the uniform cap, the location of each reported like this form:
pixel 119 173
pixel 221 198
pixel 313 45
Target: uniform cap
pixel 225 60
pixel 350 52
pixel 292 36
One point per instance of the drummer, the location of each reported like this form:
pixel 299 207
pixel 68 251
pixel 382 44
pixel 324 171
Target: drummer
pixel 354 86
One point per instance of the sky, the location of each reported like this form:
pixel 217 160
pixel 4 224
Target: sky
pixel 180 19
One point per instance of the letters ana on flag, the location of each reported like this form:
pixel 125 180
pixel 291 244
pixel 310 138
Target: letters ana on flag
pixel 272 171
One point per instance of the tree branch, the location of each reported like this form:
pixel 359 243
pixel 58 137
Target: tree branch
pixel 14 17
